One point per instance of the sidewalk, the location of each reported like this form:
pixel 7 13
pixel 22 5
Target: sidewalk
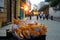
pixel 3 30
pixel 56 19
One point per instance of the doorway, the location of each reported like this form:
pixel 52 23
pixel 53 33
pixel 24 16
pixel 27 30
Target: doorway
pixel 9 11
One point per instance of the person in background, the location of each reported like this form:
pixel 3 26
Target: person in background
pixel 37 17
pixel 41 14
pixel 30 17
pixel 47 15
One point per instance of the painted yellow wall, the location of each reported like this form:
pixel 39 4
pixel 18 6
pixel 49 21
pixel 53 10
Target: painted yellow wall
pixel 3 15
pixel 18 8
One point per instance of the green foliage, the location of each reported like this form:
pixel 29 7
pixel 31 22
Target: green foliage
pixel 54 3
pixel 47 0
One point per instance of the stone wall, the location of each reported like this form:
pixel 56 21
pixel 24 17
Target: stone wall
pixel 54 13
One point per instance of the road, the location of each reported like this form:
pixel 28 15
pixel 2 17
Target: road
pixel 53 28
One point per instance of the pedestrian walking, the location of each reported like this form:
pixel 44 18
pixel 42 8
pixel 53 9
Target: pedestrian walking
pixel 41 15
pixel 30 17
pixel 37 17
pixel 51 17
pixel 47 15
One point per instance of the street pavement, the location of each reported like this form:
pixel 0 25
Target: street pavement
pixel 53 28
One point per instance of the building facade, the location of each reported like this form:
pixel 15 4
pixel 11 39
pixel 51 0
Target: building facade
pixel 2 16
pixel 11 10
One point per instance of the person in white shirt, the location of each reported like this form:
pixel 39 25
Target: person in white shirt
pixel 41 14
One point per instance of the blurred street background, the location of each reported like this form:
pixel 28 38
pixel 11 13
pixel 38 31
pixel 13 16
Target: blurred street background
pixel 45 11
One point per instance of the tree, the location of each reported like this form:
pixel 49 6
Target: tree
pixel 54 2
pixel 47 0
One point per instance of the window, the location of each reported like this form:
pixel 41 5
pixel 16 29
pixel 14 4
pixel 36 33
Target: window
pixel 1 5
pixel 1 10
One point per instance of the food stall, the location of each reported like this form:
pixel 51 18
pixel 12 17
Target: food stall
pixel 29 30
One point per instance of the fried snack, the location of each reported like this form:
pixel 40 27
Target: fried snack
pixel 31 32
pixel 43 29
pixel 41 26
pixel 26 33
pixel 23 28
pixel 42 32
pixel 34 33
pixel 30 25
pixel 36 22
pixel 16 21
pixel 19 33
